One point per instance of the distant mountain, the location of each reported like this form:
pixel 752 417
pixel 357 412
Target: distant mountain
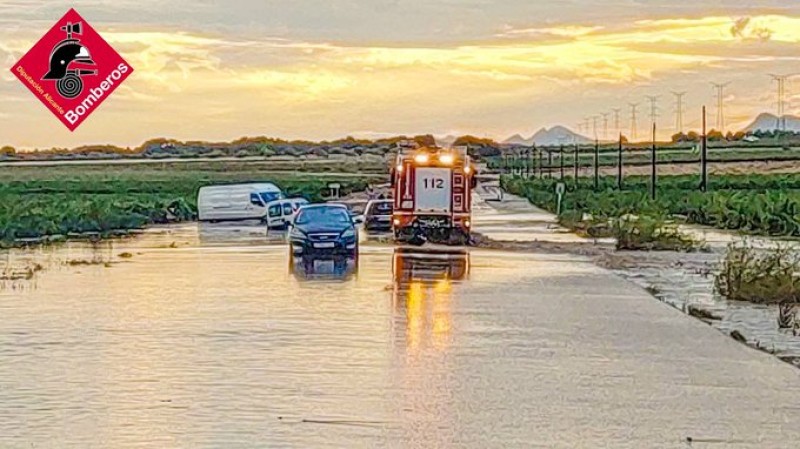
pixel 517 139
pixel 769 122
pixel 556 135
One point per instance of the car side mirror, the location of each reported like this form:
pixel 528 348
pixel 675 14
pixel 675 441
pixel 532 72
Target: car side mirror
pixel 359 219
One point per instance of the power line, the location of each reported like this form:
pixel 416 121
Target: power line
pixel 781 80
pixel 634 125
pixel 720 88
pixel 679 110
pixel 653 107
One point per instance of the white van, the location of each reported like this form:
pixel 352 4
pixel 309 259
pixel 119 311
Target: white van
pixel 236 201
pixel 280 213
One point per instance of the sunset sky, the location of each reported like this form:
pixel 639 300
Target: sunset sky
pixel 323 69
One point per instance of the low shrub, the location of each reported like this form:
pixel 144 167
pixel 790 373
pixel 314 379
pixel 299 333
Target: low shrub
pixel 592 227
pixel 651 234
pixel 766 276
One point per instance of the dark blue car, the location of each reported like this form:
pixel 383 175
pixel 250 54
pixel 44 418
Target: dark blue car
pixel 324 229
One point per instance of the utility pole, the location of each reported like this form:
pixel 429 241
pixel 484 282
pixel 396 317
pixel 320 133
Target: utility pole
pixel 634 125
pixel 679 110
pixel 605 125
pixel 720 88
pixel 653 174
pixel 526 153
pixel 596 164
pixel 619 163
pixel 575 157
pixel 704 156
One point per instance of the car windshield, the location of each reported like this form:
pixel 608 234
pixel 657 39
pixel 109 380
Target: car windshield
pixel 381 208
pixel 269 197
pixel 323 216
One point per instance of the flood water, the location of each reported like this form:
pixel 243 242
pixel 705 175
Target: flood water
pixel 212 337
pixel 684 280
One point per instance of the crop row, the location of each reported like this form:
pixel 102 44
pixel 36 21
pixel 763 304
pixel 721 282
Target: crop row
pixel 637 157
pixel 766 205
pixel 63 201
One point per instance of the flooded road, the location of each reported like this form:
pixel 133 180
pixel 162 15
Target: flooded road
pixel 181 338
pixel 212 337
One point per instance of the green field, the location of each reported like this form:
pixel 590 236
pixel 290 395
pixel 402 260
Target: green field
pixel 756 204
pixel 59 201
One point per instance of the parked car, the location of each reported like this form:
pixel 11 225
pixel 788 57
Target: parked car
pixel 355 213
pixel 281 212
pixel 323 229
pixel 378 215
pixel 236 201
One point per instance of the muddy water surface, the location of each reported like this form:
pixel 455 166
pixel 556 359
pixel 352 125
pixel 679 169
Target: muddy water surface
pixel 687 280
pixel 209 337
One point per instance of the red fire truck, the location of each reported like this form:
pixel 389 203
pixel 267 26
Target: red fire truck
pixel 432 196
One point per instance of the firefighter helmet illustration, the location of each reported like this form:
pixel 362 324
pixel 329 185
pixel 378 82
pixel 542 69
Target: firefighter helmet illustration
pixel 66 53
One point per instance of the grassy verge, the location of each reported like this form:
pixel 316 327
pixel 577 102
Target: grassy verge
pixel 63 200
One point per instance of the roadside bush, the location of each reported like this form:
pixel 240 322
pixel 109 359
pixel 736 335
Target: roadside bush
pixel 765 276
pixel 572 219
pixel 594 227
pixel 651 234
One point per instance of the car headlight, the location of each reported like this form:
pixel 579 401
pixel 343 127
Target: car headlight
pixel 348 233
pixel 297 233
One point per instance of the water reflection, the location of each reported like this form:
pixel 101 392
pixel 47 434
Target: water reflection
pixel 240 232
pixel 323 268
pixel 423 287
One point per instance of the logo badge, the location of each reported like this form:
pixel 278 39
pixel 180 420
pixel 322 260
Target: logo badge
pixel 72 70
